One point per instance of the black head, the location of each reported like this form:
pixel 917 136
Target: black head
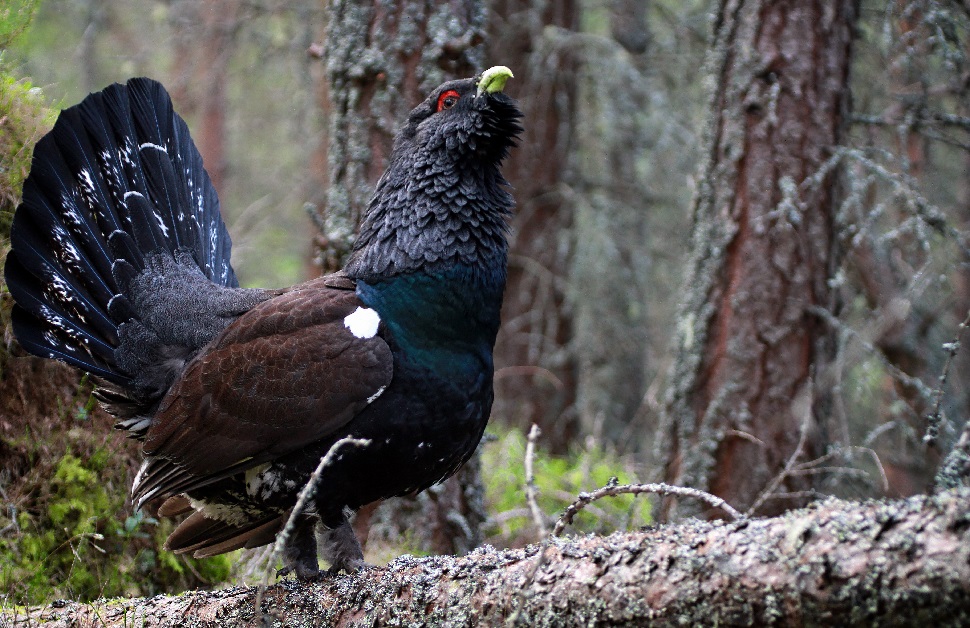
pixel 443 199
pixel 460 121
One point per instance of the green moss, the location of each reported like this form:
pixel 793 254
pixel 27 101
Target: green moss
pixel 15 18
pixel 53 553
pixel 78 546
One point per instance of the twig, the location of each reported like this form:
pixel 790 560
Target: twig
pixel 305 494
pixel 195 572
pixel 531 492
pixel 789 464
pixel 934 419
pixel 613 489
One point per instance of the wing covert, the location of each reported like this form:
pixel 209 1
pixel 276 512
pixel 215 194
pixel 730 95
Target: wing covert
pixel 284 375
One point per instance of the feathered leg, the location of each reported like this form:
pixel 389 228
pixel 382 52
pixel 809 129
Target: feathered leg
pixel 300 555
pixel 341 549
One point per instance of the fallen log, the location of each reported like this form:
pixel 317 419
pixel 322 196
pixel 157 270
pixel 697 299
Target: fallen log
pixel 902 562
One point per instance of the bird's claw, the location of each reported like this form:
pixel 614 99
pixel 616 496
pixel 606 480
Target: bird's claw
pixel 302 574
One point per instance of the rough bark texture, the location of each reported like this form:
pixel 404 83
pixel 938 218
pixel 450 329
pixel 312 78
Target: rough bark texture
pixel 536 377
pixel 837 563
pixel 742 388
pixel 382 58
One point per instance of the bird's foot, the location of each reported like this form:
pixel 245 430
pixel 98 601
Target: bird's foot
pixel 306 574
pixel 341 549
pixel 300 554
pixel 302 573
pixel 349 566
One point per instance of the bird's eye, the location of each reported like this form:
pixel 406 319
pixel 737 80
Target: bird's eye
pixel 447 100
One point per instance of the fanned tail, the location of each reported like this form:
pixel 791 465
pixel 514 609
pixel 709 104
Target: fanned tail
pixel 115 182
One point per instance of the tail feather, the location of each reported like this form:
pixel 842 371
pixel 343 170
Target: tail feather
pixel 74 326
pixel 117 180
pixel 76 313
pixel 187 205
pixel 206 537
pixel 62 236
pixel 60 347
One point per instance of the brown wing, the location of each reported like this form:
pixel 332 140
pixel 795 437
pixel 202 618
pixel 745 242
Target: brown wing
pixel 285 374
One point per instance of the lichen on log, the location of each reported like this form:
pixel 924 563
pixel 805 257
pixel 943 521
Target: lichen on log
pixel 852 563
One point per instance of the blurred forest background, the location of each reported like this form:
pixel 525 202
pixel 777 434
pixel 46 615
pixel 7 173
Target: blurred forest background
pixel 739 260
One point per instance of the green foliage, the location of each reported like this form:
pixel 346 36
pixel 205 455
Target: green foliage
pixel 56 550
pixel 74 543
pixel 559 479
pixel 23 119
pixel 15 18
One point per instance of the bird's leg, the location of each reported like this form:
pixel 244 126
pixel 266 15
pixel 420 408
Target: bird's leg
pixel 341 549
pixel 300 555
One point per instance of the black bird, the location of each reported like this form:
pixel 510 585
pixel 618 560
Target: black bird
pixel 120 266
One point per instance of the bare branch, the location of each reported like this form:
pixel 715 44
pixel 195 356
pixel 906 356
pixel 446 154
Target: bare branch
pixel 789 465
pixel 935 418
pixel 531 492
pixel 613 489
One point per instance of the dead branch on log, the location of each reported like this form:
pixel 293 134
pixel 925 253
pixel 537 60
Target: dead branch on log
pixel 613 489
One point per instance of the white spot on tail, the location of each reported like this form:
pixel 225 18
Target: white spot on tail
pixel 150 145
pixel 86 181
pixel 363 322
pixel 161 224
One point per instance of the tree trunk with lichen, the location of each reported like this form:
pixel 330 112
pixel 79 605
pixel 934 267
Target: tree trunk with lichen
pixel 837 563
pixel 743 397
pixel 380 60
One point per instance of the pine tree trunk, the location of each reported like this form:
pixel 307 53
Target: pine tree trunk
pixel 612 304
pixel 742 400
pixel 382 58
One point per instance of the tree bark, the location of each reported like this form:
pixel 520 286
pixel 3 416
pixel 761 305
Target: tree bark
pixel 382 58
pixel 612 303
pixel 742 400
pixel 901 562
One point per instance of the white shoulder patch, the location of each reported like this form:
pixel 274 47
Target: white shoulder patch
pixel 362 322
